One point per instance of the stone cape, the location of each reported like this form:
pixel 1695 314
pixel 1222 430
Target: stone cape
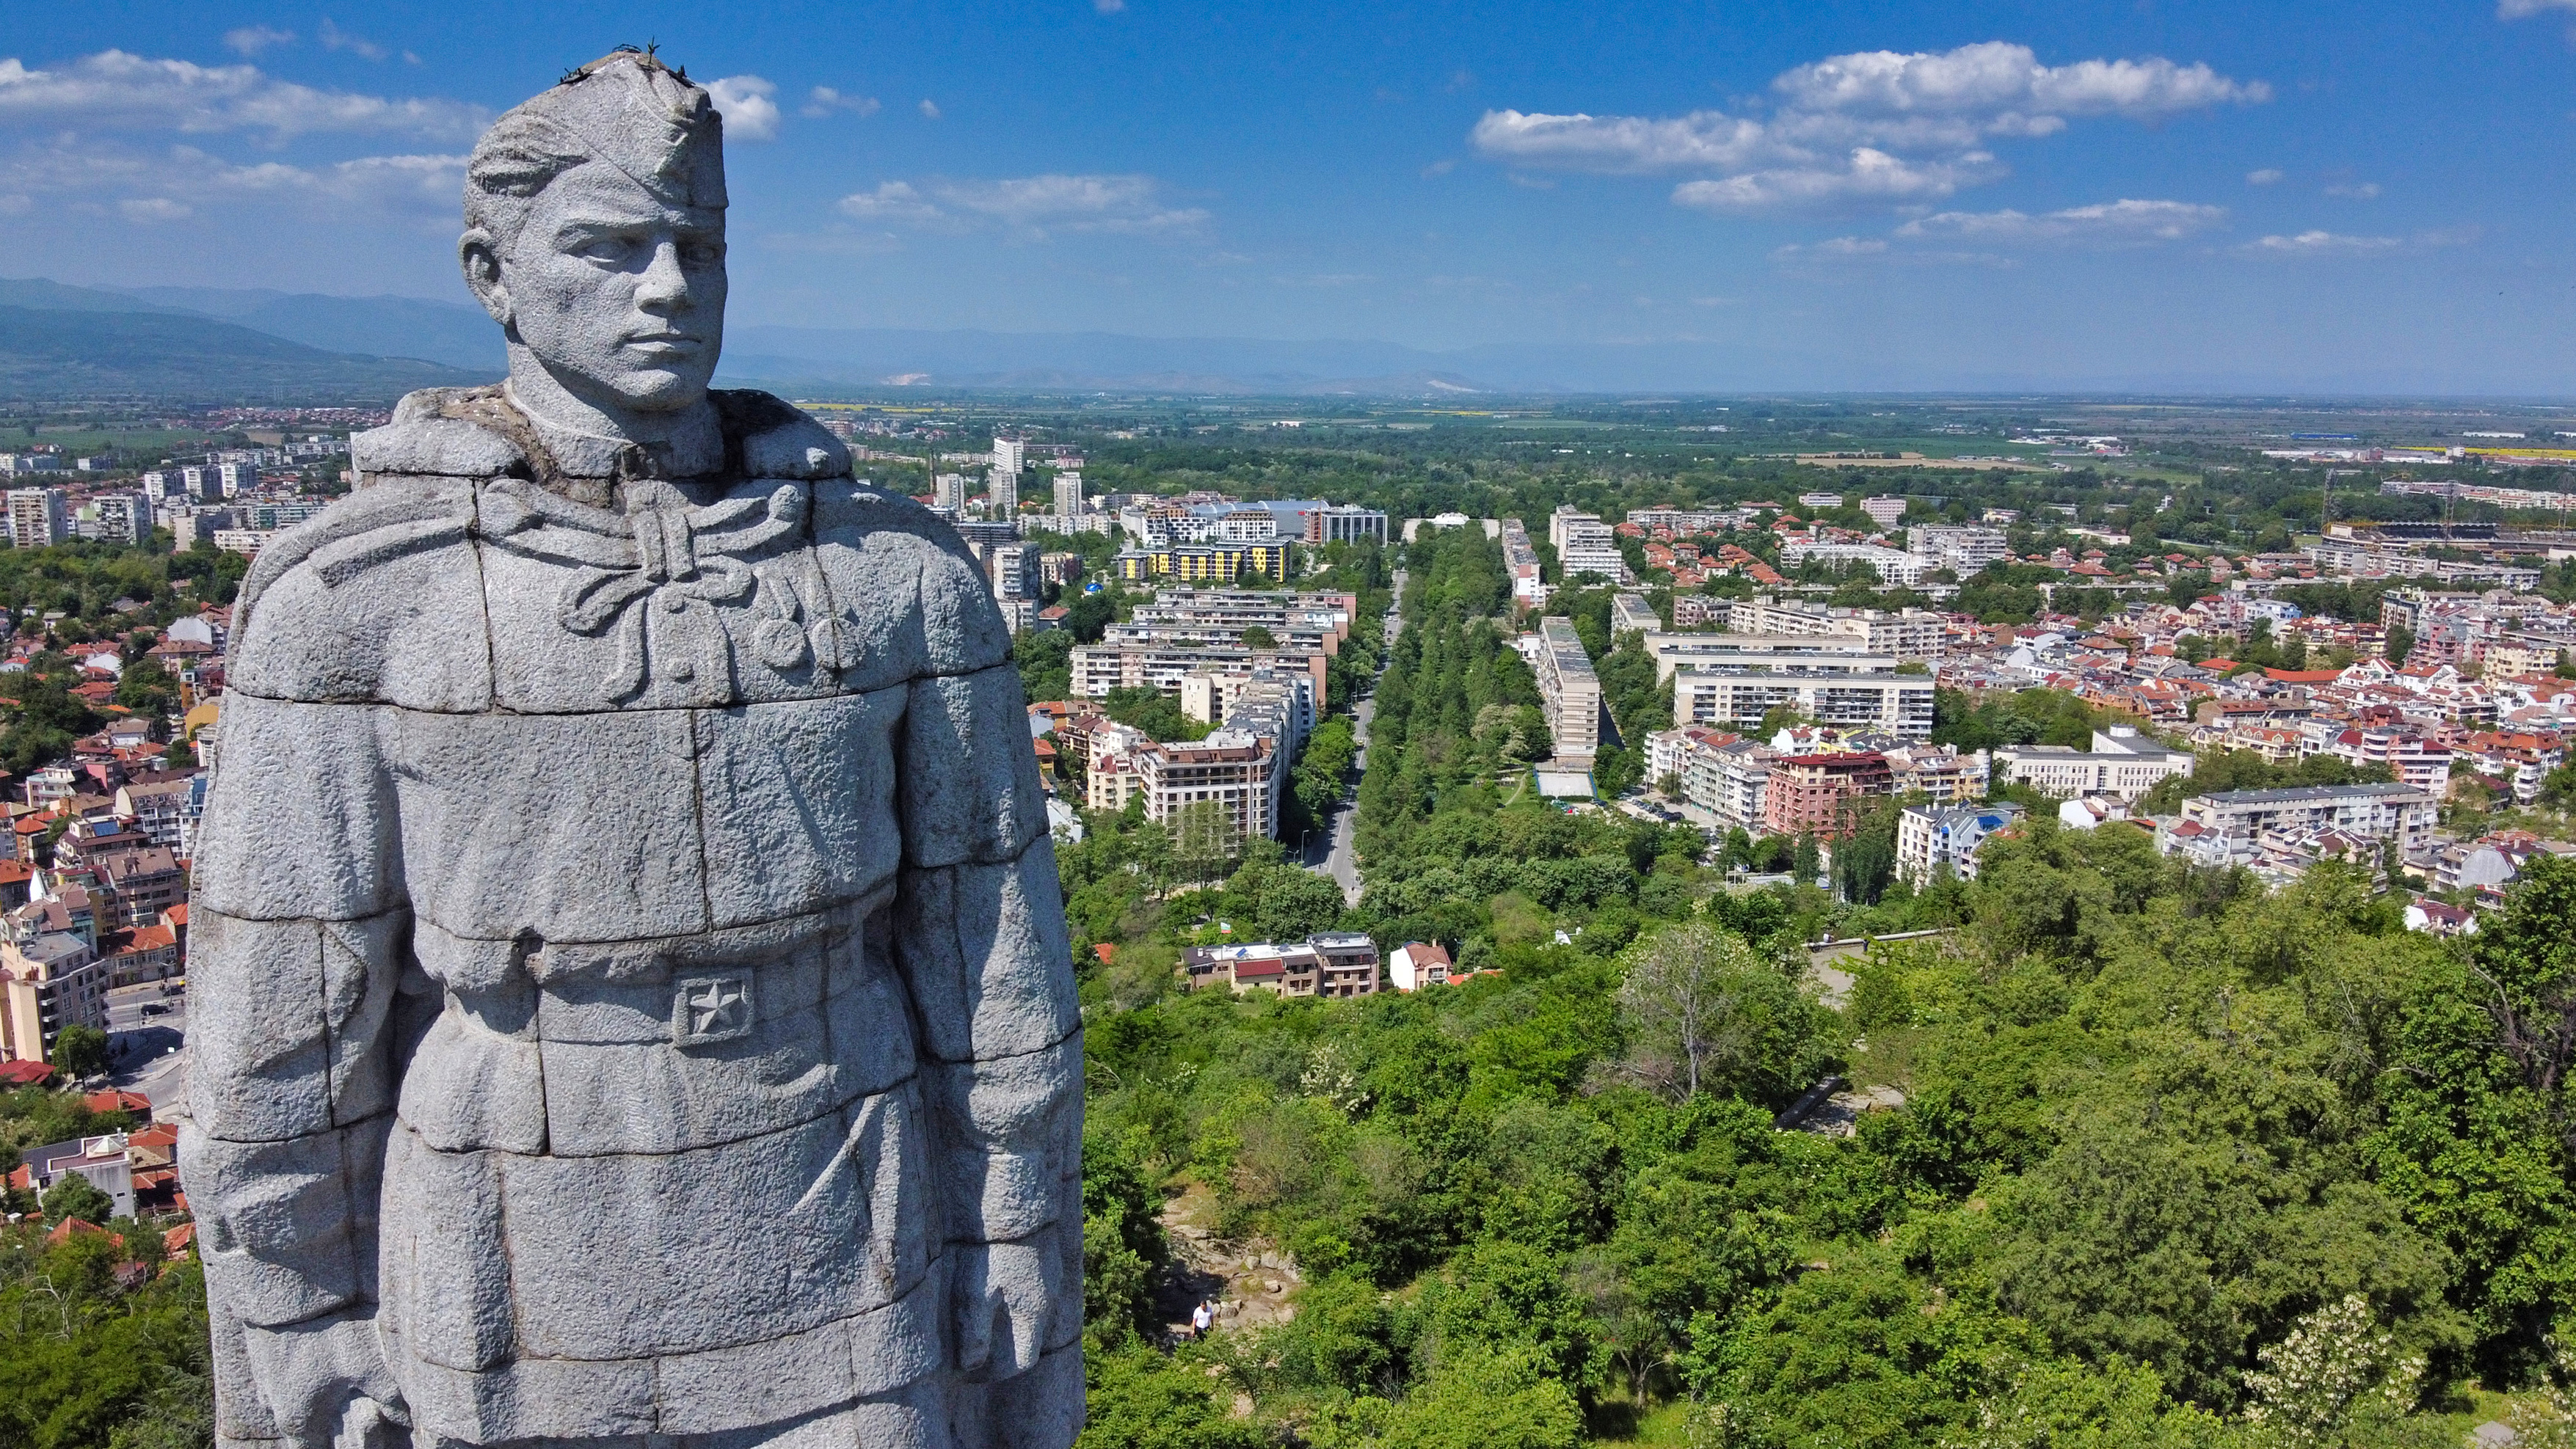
pixel 654 903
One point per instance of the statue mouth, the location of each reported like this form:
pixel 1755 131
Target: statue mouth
pixel 672 345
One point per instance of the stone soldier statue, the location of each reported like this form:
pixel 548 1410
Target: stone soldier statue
pixel 632 994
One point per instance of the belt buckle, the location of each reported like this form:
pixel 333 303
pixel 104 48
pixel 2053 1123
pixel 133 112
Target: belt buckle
pixel 707 1009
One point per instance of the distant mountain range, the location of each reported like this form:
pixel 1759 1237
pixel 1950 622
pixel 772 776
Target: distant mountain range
pixel 204 344
pixel 74 342
pixel 218 344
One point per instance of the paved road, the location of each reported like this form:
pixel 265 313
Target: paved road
pixel 145 1045
pixel 1340 861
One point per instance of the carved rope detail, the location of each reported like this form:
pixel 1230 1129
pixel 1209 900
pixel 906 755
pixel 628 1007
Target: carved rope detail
pixel 679 562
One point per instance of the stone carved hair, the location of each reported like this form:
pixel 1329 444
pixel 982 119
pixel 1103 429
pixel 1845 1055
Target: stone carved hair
pixel 627 110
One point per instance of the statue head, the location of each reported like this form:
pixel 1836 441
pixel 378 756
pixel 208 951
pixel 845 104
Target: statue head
pixel 594 234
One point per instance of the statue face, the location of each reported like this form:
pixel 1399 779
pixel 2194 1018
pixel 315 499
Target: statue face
pixel 619 293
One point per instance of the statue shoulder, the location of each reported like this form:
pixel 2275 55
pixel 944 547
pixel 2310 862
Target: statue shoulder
pixel 375 599
pixel 872 537
pixel 437 432
pixel 768 437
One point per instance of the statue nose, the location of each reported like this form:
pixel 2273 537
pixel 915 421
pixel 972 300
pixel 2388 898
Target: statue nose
pixel 664 286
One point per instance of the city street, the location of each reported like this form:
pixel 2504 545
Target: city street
pixel 145 1031
pixel 1340 861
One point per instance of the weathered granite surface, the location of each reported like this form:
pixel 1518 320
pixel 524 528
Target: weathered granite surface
pixel 632 993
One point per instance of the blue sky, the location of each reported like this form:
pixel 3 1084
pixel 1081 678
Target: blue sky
pixel 1810 194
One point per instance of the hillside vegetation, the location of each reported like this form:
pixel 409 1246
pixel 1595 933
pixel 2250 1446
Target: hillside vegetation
pixel 2178 1162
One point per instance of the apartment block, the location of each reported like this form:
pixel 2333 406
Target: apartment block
pixel 1202 563
pixel 1818 794
pixel 1230 769
pixel 1964 550
pixel 1893 566
pixel 2368 812
pixel 1933 840
pixel 1910 634
pixel 1570 688
pixel 39 517
pixel 1899 704
pixel 2121 762
pixel 47 983
pixel 1741 653
pixel 1520 560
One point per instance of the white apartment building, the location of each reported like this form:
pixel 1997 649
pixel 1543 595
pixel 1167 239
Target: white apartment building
pixel 1910 634
pixel 1900 704
pixel 2370 812
pixel 1820 500
pixel 1885 511
pixel 1631 614
pixel 1068 493
pixel 39 517
pixel 2121 762
pixel 237 480
pixel 1932 839
pixel 1230 769
pixel 1736 653
pixel 1893 566
pixel 1571 689
pixel 1520 560
pixel 1965 551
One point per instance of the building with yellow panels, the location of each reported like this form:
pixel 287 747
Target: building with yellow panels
pixel 1204 563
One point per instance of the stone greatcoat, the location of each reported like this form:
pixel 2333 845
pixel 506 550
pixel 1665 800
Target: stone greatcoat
pixel 627 961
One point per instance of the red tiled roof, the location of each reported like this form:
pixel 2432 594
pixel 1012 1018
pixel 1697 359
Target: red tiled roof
pixel 25 1074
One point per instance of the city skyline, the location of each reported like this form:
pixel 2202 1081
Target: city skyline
pixel 1865 196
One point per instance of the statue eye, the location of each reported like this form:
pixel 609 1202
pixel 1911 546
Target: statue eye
pixel 702 254
pixel 604 248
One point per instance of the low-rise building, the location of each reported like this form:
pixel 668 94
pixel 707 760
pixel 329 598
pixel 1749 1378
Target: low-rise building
pixel 2121 762
pixel 1934 840
pixel 1337 964
pixel 1417 964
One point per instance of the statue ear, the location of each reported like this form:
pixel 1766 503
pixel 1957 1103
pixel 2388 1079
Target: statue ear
pixel 480 257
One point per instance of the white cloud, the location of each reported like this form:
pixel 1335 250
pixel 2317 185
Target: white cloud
pixel 2268 176
pixel 824 100
pixel 1702 140
pixel 1033 205
pixel 1839 248
pixel 334 38
pixel 2521 9
pixel 1868 175
pixel 748 106
pixel 1108 7
pixel 2110 223
pixel 929 108
pixel 2322 244
pixel 252 39
pixel 155 209
pixel 1870 125
pixel 2005 85
pixel 2336 244
pixel 891 201
pixel 117 89
pixel 144 184
pixel 2365 191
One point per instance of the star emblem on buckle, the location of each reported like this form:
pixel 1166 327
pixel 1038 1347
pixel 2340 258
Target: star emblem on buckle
pixel 710 1009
